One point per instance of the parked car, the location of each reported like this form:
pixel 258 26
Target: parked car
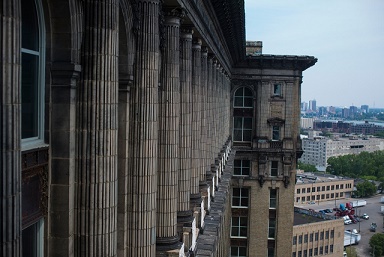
pixel 365 216
pixel 373 227
pixel 323 211
pixel 328 210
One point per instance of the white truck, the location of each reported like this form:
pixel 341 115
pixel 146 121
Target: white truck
pixel 347 220
pixel 382 199
pixel 358 203
pixel 382 209
pixel 351 237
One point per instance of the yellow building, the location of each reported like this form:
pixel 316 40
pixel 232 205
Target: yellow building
pixel 315 188
pixel 313 235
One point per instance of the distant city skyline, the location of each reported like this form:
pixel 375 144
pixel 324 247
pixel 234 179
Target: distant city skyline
pixel 345 35
pixel 318 104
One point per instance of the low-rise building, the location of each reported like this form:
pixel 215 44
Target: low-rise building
pixel 317 150
pixel 317 234
pixel 312 188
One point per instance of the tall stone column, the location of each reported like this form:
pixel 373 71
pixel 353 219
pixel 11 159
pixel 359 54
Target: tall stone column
pixel 65 77
pixel 10 162
pixel 169 135
pixel 96 164
pixel 184 212
pixel 204 114
pixel 196 122
pixel 210 118
pixel 143 139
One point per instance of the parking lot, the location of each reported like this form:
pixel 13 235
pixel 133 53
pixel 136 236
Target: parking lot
pixel 372 209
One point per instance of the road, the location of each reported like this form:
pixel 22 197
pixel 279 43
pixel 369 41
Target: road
pixel 372 209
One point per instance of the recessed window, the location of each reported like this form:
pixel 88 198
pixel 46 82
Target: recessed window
pixel 240 197
pixel 272 198
pixel 33 237
pixel 277 89
pixel 275 133
pixel 272 228
pixel 238 251
pixel 241 167
pixel 243 98
pixel 32 72
pixel 242 128
pixel 271 252
pixel 274 168
pixel 239 227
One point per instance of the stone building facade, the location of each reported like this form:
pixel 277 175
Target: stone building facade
pixel 122 127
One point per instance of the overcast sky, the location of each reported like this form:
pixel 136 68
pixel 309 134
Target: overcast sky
pixel 346 36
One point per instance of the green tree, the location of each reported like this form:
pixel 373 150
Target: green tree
pixel 366 189
pixel 377 244
pixel 306 167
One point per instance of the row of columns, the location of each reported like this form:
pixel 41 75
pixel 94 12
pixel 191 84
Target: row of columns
pixel 126 197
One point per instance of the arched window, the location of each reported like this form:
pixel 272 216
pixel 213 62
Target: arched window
pixel 32 72
pixel 243 98
pixel 32 120
pixel 242 115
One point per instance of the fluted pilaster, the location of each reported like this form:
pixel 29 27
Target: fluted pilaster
pixel 169 135
pixel 204 114
pixel 10 162
pixel 144 134
pixel 96 166
pixel 196 119
pixel 185 120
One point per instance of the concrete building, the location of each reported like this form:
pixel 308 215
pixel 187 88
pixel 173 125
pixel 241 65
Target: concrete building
pixel 306 123
pixel 312 105
pixel 317 150
pixel 314 235
pixel 315 188
pixel 123 122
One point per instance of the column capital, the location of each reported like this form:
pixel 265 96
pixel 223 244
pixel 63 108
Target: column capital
pixel 186 33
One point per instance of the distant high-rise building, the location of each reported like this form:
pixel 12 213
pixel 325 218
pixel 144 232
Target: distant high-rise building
pixel 364 108
pixel 304 106
pixel 352 111
pixel 312 105
pixel 345 113
pixel 322 110
pixel 332 109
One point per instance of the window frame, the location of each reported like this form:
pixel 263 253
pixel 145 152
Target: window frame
pixel 38 140
pixel 243 167
pixel 239 227
pixel 241 197
pixel 274 169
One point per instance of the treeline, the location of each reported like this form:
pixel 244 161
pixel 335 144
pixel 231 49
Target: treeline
pixel 369 165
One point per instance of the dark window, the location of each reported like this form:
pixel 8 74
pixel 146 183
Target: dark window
pixel 317 236
pixel 326 234
pixel 311 237
pixel 294 240
pixel 240 197
pixel 274 168
pixel 306 238
pixel 321 235
pixel 238 251
pixel 321 250
pixel 332 233
pixel 241 168
pixel 239 226
pixel 300 239
pixel 272 198
pixel 275 133
pixel 242 128
pixel 277 89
